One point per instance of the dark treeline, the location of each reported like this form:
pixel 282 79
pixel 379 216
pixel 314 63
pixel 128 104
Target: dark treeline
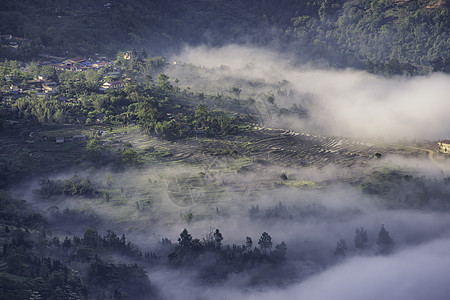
pixel 71 268
pixel 384 243
pixel 214 261
pixel 79 267
pixel 73 186
pixel 402 190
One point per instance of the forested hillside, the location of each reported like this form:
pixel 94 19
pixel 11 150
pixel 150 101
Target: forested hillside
pixel 390 37
pixel 149 147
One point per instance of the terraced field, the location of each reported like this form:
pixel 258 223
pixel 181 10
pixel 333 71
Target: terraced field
pixel 200 177
pixel 241 152
pixel 287 149
pixel 306 150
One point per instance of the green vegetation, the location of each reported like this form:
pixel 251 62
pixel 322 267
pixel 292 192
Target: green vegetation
pixel 151 105
pixel 153 150
pixel 225 259
pixel 384 243
pixel 389 37
pixel 45 266
pixel 84 27
pixel 161 109
pixel 399 189
pixel 74 186
pixel 36 262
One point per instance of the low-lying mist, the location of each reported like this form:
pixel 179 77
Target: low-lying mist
pixel 339 102
pixel 419 272
pixel 316 210
pixel 414 273
pixel 309 220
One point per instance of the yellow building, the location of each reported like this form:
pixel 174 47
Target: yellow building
pixel 444 146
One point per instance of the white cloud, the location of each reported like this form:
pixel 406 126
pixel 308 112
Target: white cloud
pixel 346 102
pixel 414 274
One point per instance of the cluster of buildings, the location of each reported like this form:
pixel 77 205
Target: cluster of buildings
pixel 45 87
pixel 41 85
pixel 78 64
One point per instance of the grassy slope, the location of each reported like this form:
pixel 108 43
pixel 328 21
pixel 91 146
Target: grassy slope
pixel 173 179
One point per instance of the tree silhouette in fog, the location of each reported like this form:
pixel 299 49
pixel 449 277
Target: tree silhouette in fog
pixel 384 241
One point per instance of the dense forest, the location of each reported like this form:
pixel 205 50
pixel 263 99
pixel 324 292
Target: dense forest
pixel 36 264
pixel 387 37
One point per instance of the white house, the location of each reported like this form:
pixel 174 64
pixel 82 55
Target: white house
pixel 111 85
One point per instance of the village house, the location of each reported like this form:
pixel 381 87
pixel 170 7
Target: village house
pixel 10 41
pixel 61 67
pixel 111 85
pixel 86 67
pixel 79 64
pixel 71 64
pixel 14 45
pixel 73 61
pixel 444 146
pixel 50 88
pixel 99 65
pixel 42 77
pixel 35 85
pixel 4 37
pixel 14 89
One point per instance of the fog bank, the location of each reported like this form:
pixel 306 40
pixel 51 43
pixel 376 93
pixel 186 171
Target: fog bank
pixel 416 273
pixel 344 102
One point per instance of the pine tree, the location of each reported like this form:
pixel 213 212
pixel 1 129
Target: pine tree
pixel 143 53
pixel 185 239
pixel 218 238
pixel 248 243
pixel 341 248
pixel 265 242
pixel 361 239
pixel 280 251
pixel 384 241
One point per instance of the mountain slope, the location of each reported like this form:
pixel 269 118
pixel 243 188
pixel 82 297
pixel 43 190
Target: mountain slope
pixel 391 37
